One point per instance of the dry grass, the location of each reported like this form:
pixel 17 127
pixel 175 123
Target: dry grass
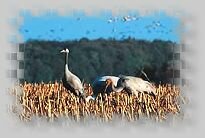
pixel 54 101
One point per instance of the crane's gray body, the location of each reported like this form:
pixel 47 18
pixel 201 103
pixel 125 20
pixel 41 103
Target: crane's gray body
pixel 70 81
pixel 136 85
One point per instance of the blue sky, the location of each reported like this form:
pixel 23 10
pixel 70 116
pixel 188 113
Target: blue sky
pixel 51 26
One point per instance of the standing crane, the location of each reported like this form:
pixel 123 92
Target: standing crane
pixel 71 81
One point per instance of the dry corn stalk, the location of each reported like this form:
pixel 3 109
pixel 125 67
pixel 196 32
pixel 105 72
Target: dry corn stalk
pixel 53 101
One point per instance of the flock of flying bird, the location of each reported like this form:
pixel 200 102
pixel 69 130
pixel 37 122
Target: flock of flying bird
pixel 105 84
pixel 124 19
pixel 155 26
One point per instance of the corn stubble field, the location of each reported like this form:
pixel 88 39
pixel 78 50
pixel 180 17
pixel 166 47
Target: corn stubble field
pixel 53 101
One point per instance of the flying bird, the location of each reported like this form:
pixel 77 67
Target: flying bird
pixel 110 21
pixel 127 18
pixel 114 19
pixel 135 18
pixel 70 81
pixel 26 30
pixel 52 30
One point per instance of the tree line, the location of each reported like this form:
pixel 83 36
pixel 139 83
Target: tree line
pixel 89 59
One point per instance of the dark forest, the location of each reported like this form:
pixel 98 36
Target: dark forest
pixel 89 59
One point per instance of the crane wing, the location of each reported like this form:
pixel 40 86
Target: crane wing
pixel 75 82
pixel 136 84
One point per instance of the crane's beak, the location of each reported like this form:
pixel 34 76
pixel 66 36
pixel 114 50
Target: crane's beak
pixel 62 51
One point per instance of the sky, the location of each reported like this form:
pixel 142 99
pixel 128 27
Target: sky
pixel 52 26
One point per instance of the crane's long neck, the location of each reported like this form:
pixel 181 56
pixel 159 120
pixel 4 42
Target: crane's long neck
pixel 117 88
pixel 67 71
pixel 66 58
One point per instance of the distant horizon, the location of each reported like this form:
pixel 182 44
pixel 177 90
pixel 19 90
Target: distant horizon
pixel 53 27
pixel 108 39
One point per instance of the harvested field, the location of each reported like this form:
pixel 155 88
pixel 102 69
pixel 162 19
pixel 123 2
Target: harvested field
pixel 53 101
